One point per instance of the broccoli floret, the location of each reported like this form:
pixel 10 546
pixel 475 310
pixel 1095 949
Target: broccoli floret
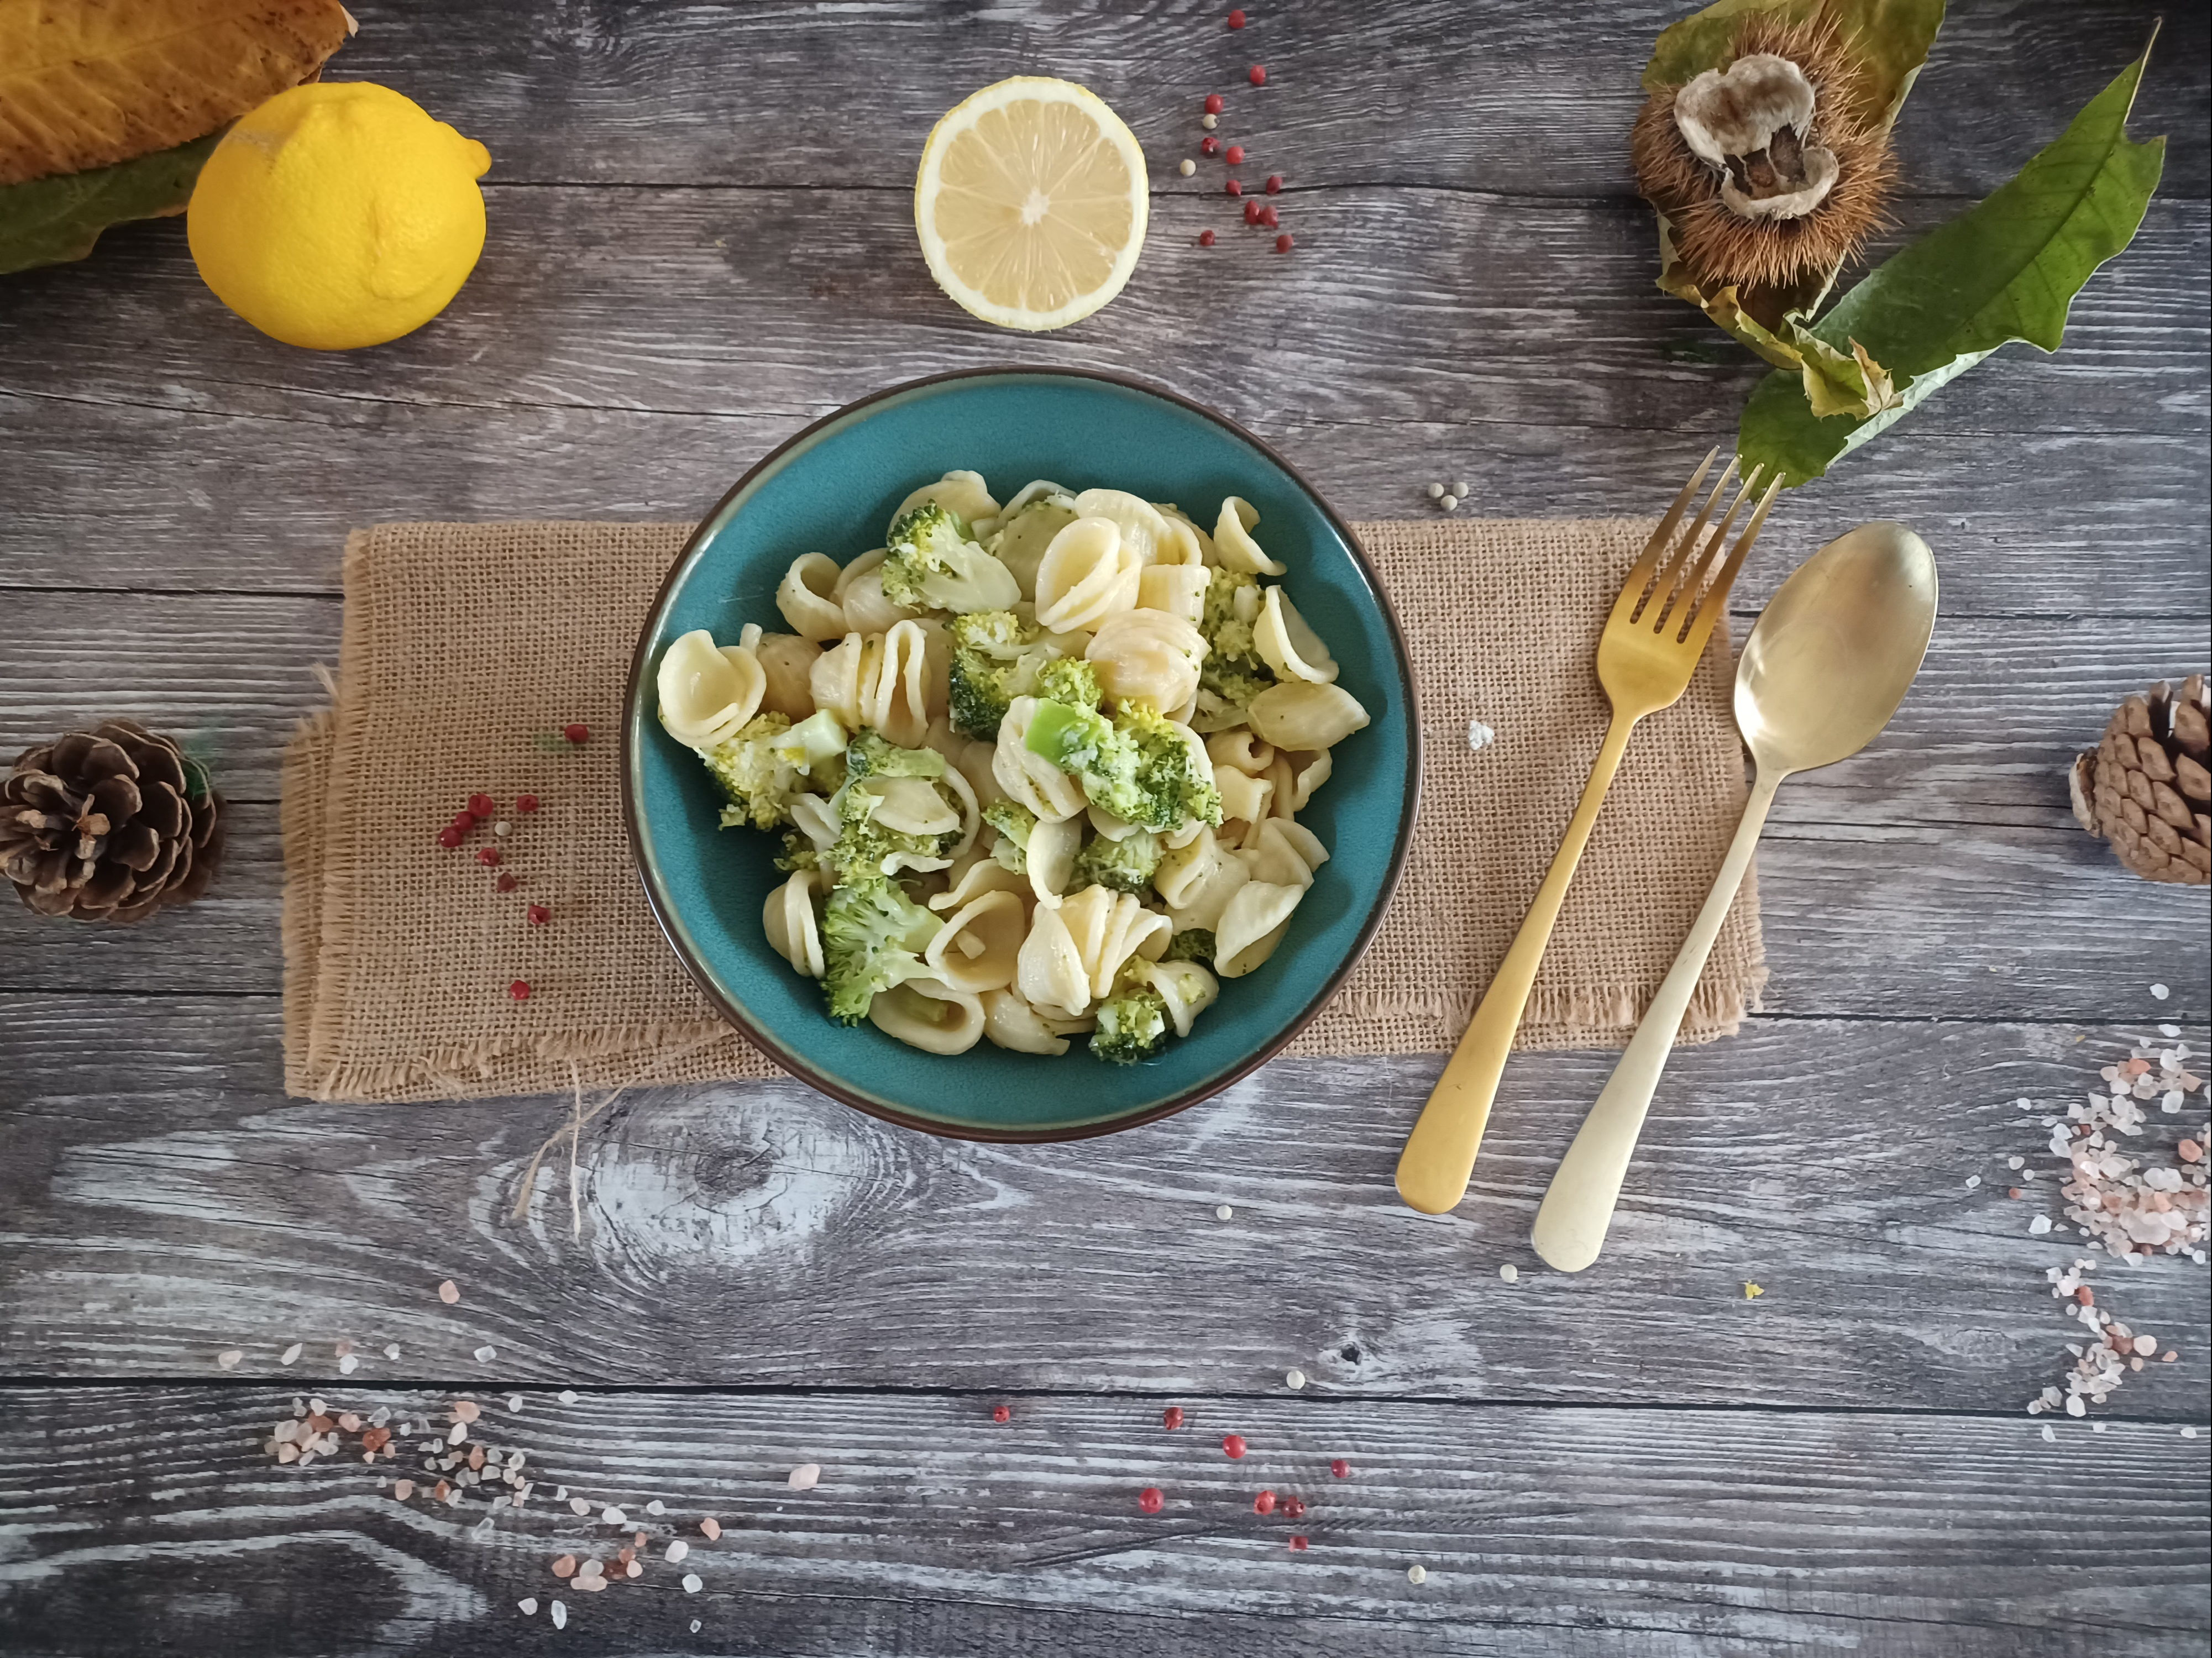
pixel 1125 864
pixel 934 566
pixel 863 846
pixel 1067 679
pixel 1234 671
pixel 1014 821
pixel 759 781
pixel 1131 1022
pixel 872 936
pixel 993 661
pixel 1173 774
pixel 798 853
pixel 1138 765
pixel 1193 944
pixel 869 755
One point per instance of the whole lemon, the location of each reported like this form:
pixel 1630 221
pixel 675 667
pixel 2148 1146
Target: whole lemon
pixel 338 215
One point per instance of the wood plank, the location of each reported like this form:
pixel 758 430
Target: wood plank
pixel 1480 97
pixel 936 1534
pixel 165 1204
pixel 1399 306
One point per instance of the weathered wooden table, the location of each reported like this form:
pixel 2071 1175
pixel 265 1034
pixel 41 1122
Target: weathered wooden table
pixel 700 239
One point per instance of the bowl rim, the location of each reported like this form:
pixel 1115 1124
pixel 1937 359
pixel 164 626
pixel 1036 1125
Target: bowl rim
pixel 814 1076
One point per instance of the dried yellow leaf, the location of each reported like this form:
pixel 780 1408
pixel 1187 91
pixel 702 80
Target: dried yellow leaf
pixel 86 83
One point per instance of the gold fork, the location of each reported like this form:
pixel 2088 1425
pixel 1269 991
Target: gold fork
pixel 1645 657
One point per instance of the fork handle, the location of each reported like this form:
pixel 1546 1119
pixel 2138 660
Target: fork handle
pixel 1579 1204
pixel 1439 1154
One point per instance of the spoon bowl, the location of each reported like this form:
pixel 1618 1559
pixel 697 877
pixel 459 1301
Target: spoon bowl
pixel 1835 649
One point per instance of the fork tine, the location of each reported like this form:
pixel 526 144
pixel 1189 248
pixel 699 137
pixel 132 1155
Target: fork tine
pixel 1639 575
pixel 1689 555
pixel 1700 626
pixel 1685 579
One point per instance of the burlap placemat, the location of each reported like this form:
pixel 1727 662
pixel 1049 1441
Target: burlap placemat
pixel 468 648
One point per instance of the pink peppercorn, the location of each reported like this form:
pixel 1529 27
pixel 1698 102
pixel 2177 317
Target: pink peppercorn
pixel 1213 104
pixel 506 883
pixel 1297 1544
pixel 1269 217
pixel 1259 76
pixel 1251 210
pixel 488 856
pixel 1171 1417
pixel 1236 20
pixel 1002 1413
pixel 526 803
pixel 1295 1507
pixel 1340 1468
pixel 463 822
pixel 1232 1446
pixel 1149 1499
pixel 1234 155
pixel 449 837
pixel 1274 184
pixel 1206 238
pixel 481 806
pixel 578 733
pixel 539 915
pixel 520 990
pixel 1234 188
pixel 1285 243
pixel 1264 1503
pixel 1209 146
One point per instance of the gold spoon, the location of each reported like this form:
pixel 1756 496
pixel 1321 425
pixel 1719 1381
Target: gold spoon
pixel 1821 674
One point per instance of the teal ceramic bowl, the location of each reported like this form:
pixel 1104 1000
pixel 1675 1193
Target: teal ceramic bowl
pixel 831 490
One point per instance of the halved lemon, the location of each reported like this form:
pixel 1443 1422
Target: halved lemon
pixel 1030 203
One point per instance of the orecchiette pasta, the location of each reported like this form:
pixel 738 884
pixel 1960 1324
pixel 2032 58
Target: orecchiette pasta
pixel 1148 656
pixel 787 665
pixel 789 919
pixel 807 598
pixel 925 1014
pixel 707 694
pixel 876 736
pixel 1108 929
pixel 1299 715
pixel 976 949
pixel 1030 779
pixel 1252 925
pixel 1233 546
pixel 1292 649
pixel 1178 589
pixel 1087 574
pixel 963 493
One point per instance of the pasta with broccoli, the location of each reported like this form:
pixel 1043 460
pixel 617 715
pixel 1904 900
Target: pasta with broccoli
pixel 1035 768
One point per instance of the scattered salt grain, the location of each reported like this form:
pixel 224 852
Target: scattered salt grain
pixel 2049 1434
pixel 692 1584
pixel 710 1528
pixel 656 1507
pixel 485 1355
pixel 529 1605
pixel 676 1551
pixel 613 1516
pixel 2189 1433
pixel 1294 1379
pixel 694 1627
pixel 229 1358
pixel 2039 1226
pixel 805 1477
pixel 402 1489
pixel 2169 1030
pixel 560 1614
pixel 1972 1180
pixel 2160 990
pixel 1223 1211
pixel 1509 1273
pixel 291 1354
pixel 567 1396
pixel 449 1292
pixel 1479 736
pixel 456 1433
pixel 1417 1575
pixel 577 1505
pixel 392 1351
pixel 349 1364
pixel 2015 1162
pixel 515 1401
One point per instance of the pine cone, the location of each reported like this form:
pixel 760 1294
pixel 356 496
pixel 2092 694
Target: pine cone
pixel 108 825
pixel 2145 788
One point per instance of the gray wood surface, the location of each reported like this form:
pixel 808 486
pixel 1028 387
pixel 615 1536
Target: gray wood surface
pixel 700 240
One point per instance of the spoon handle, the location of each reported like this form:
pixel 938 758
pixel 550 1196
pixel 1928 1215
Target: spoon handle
pixel 1579 1204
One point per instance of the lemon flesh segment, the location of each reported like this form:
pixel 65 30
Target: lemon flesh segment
pixel 1031 204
